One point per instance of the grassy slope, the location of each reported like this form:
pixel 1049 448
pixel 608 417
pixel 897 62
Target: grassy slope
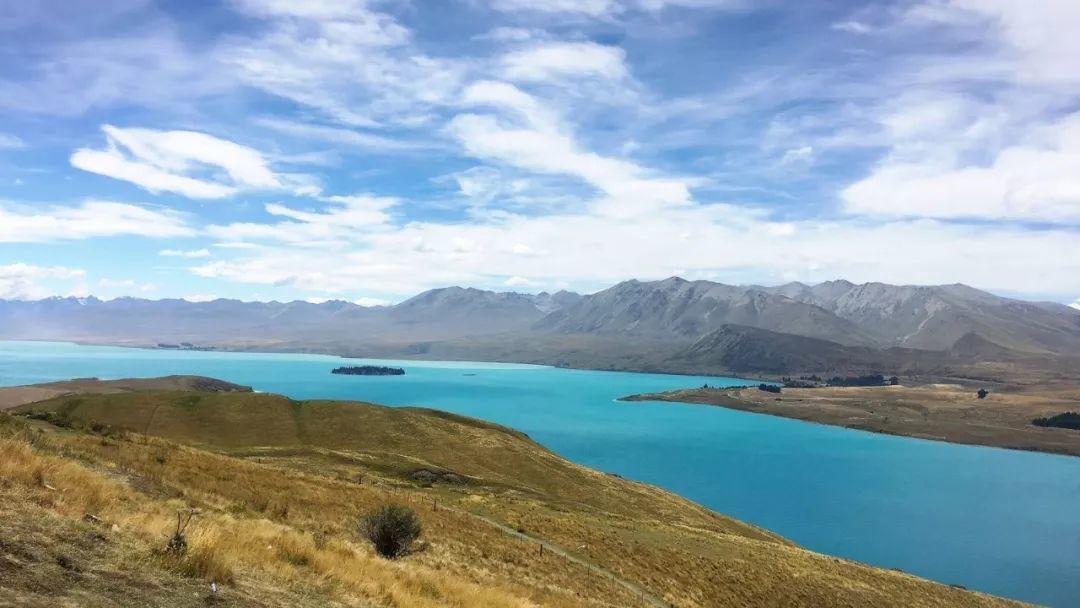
pixel 277 483
pixel 14 396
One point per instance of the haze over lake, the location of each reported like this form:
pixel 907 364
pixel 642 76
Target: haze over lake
pixel 995 520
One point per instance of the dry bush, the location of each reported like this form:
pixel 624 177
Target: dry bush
pixel 391 530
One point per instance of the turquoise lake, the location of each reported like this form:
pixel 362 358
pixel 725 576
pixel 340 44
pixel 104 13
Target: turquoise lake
pixel 1001 521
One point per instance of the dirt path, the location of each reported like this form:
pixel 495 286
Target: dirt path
pixel 639 591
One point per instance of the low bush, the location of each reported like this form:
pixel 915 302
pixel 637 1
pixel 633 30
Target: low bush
pixel 392 529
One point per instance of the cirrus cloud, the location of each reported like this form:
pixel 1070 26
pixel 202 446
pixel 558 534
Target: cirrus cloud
pixel 167 161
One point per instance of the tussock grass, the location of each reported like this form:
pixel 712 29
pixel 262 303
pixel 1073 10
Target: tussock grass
pixel 277 521
pixel 222 547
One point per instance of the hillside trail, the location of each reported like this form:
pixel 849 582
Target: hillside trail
pixel 637 590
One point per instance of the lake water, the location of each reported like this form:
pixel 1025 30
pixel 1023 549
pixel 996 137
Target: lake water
pixel 1001 521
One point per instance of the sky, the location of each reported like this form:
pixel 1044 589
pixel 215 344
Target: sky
pixel 367 150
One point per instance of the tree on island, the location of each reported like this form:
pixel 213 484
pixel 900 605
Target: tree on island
pixel 369 370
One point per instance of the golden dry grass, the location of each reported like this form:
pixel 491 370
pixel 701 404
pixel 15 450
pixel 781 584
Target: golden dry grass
pixel 276 522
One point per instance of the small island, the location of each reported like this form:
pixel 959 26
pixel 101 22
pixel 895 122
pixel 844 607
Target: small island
pixel 369 370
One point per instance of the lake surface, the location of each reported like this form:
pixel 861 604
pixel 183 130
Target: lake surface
pixel 1001 521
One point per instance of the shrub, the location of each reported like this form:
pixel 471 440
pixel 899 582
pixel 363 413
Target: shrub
pixel 178 541
pixel 1067 420
pixel 391 530
pixel 982 393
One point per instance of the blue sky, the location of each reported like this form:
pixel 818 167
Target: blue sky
pixel 367 150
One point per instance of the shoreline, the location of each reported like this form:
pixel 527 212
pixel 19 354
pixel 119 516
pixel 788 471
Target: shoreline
pixel 932 413
pixel 404 359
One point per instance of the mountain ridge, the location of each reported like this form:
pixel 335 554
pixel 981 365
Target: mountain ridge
pixel 859 325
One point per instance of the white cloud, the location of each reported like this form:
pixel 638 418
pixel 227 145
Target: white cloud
pixel 1035 180
pixel 322 9
pixel 348 61
pixel 542 145
pixel 111 283
pixel 565 59
pixel 200 297
pixel 348 137
pixel 655 5
pixel 29 282
pixel 371 302
pixel 1075 305
pixel 980 131
pixel 164 161
pixel 592 8
pixel 1040 46
pixel 149 67
pixel 802 154
pixel 124 286
pixel 11 142
pixel 30 224
pixel 519 282
pixel 345 218
pixel 188 253
pixel 852 26
pixel 592 250
pixel 607 8
pixel 512 34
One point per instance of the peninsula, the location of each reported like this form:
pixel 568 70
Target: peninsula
pixel 944 412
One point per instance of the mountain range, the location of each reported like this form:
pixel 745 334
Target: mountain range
pixel 667 325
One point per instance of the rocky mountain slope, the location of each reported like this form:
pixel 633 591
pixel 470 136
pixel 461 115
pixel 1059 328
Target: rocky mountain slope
pixel 684 325
pixel 935 317
pixel 678 309
pixel 436 314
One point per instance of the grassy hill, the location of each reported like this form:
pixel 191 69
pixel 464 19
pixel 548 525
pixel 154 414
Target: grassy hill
pixel 92 485
pixel 13 396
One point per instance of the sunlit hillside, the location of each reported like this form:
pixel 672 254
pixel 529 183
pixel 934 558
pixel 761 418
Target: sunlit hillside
pixel 93 485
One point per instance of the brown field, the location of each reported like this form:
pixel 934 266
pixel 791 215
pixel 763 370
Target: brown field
pixel 91 485
pixel 943 412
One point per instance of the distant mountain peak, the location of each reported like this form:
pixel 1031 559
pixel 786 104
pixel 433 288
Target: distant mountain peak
pixel 952 318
